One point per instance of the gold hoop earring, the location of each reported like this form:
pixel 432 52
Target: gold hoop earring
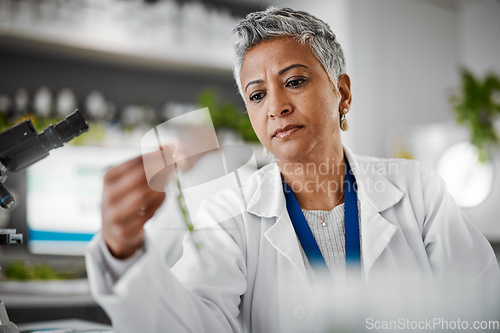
pixel 265 152
pixel 344 124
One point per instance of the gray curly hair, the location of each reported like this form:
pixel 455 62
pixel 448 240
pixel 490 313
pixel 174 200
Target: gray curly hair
pixel 280 22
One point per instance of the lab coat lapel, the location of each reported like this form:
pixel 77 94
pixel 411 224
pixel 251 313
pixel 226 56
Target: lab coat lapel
pixel 268 201
pixel 283 238
pixel 376 233
pixel 294 293
pixel 375 194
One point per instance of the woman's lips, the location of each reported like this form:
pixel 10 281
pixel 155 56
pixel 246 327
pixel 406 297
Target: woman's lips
pixel 286 131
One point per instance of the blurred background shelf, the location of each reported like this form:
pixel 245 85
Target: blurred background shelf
pixel 125 55
pixel 22 301
pixel 185 35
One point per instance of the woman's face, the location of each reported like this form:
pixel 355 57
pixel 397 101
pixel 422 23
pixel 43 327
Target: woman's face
pixel 292 105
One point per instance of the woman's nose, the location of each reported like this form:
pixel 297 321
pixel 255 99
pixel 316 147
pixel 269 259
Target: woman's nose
pixel 279 106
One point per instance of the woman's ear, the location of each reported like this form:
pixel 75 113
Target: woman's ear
pixel 344 87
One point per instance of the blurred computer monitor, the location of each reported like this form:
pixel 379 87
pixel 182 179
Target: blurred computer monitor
pixel 63 197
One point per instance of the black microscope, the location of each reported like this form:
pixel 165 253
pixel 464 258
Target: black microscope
pixel 20 147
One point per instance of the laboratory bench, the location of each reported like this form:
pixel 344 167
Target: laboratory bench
pixel 48 300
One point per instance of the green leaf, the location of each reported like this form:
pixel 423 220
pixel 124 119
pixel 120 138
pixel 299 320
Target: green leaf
pixel 477 108
pixel 227 115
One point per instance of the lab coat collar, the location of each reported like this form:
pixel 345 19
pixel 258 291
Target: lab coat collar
pixel 267 200
pixel 375 194
pixel 266 190
pixel 371 178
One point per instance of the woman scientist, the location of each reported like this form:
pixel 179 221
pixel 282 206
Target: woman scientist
pixel 303 214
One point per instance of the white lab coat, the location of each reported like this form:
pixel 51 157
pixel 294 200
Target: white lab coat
pixel 410 226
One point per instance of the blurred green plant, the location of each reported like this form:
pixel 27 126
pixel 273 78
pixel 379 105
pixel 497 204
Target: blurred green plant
pixel 95 135
pixel 4 122
pixel 22 271
pixel 227 115
pixel 477 106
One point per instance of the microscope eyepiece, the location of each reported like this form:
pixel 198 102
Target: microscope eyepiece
pixel 21 146
pixel 65 130
pixel 73 125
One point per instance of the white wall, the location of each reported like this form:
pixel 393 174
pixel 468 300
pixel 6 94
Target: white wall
pixel 405 63
pixel 367 115
pixel 479 31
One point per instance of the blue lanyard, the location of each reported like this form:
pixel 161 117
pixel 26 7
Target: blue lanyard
pixel 304 233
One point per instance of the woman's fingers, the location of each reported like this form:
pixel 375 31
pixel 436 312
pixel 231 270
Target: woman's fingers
pixel 117 171
pixel 123 240
pixel 123 178
pixel 133 203
pixel 128 203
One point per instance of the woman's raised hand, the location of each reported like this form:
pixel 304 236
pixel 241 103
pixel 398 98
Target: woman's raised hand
pixel 128 202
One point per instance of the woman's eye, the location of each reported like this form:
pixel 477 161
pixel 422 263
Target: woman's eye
pixel 257 97
pixel 294 83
